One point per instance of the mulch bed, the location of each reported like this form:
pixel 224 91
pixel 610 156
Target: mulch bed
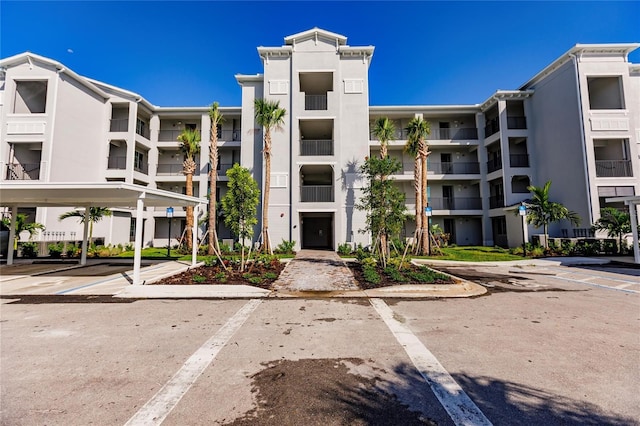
pixel 258 275
pixel 386 280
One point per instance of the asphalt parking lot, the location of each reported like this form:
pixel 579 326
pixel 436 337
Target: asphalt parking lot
pixel 538 348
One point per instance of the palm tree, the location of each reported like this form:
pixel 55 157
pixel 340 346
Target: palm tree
pixel 269 115
pixel 541 211
pixel 96 214
pixel 615 222
pixel 216 118
pixel 190 146
pixel 418 130
pixel 22 225
pixel 384 130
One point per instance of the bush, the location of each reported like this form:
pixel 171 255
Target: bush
pixel 270 275
pixel 210 261
pixel 344 249
pixel 55 250
pixel 29 249
pixel 426 275
pixel 199 279
pixel 72 250
pixel 285 247
pixel 224 248
pixel 370 274
pixel 394 274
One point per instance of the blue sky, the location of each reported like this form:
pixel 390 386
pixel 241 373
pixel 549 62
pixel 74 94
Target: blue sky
pixel 427 52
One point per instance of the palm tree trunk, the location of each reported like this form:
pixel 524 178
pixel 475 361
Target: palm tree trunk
pixel 267 184
pixel 189 190
pixel 213 178
pixel 417 185
pixel 425 202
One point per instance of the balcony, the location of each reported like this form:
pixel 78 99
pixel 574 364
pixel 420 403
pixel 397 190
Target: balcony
pixel 461 168
pixel 168 135
pixel 142 167
pixel 494 164
pixel 453 134
pixel 519 160
pixel 456 203
pixel 316 193
pixel 119 125
pixel 117 163
pixel 142 129
pixel 173 169
pixel 315 102
pixel 517 122
pixel 229 135
pixel 491 127
pixel 316 147
pixel 223 167
pixel 496 201
pixel 614 168
pixel 26 171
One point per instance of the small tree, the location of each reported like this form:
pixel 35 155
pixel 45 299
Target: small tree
pixel 383 202
pixel 615 222
pixel 190 145
pixel 96 214
pixel 22 224
pixel 417 132
pixel 541 211
pixel 240 205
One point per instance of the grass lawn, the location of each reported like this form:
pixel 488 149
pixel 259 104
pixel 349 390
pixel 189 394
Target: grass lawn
pixel 474 254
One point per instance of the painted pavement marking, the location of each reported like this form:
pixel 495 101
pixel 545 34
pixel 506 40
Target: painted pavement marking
pixel 158 408
pixel 461 409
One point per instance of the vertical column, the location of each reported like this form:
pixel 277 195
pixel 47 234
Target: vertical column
pixel 12 234
pixel 137 254
pixel 194 239
pixel 85 235
pixel 633 216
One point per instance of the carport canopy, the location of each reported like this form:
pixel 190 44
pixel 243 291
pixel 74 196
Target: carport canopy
pixel 632 202
pixel 15 194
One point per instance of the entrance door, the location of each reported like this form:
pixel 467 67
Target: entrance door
pixel 447 197
pixel 445 161
pixel 450 228
pixel 317 232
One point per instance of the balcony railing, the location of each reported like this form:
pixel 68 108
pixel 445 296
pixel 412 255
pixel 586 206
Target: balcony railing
pixel 453 134
pixel 117 162
pixel 462 168
pixel 119 125
pixel 456 203
pixel 316 147
pixel 496 201
pixel 174 169
pixel 519 160
pixel 26 171
pixel 316 193
pixel 614 168
pixel 399 135
pixel 223 167
pixel 491 127
pixel 143 131
pixel 315 102
pixel 229 135
pixel 168 135
pixel 494 164
pixel 517 122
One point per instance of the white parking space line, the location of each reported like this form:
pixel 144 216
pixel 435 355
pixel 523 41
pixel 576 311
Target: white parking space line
pixel 158 408
pixel 594 285
pixel 461 409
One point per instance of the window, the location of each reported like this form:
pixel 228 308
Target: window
pixel 605 93
pixel 141 128
pixel 31 97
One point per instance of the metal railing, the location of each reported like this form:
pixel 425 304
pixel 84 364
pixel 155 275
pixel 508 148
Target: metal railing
pixel 462 168
pixel 516 122
pixel 26 171
pixel 519 160
pixel 229 135
pixel 223 167
pixel 119 125
pixel 168 135
pixel 173 169
pixel 117 162
pixel 491 127
pixel 316 147
pixel 494 164
pixel 454 133
pixel 316 193
pixel 143 131
pixel 496 201
pixel 456 203
pixel 315 102
pixel 614 168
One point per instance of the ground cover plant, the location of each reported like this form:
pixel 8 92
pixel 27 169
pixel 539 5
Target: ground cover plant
pixel 475 254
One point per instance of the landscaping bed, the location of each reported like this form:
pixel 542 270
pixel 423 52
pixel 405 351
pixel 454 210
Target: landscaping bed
pixel 261 273
pixel 371 276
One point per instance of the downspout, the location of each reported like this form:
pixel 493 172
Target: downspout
pixel 582 137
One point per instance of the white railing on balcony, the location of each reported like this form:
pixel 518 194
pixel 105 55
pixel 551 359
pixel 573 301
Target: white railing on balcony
pixel 316 147
pixel 173 169
pixel 119 125
pixel 316 193
pixel 25 171
pixel 168 135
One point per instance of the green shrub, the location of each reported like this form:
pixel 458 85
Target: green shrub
pixel 270 275
pixel 210 261
pixel 55 249
pixel 370 274
pixel 199 278
pixel 394 274
pixel 426 275
pixel 220 276
pixel 255 280
pixel 224 248
pixel 29 249
pixel 344 249
pixel 72 250
pixel 369 261
pixel 285 247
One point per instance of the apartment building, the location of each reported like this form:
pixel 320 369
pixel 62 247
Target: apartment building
pixel 577 123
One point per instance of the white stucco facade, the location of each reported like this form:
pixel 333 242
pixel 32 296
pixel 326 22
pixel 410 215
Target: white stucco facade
pixel 576 123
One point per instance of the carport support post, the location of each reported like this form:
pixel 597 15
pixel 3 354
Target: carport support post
pixel 633 216
pixel 85 235
pixel 194 240
pixel 137 254
pixel 12 235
